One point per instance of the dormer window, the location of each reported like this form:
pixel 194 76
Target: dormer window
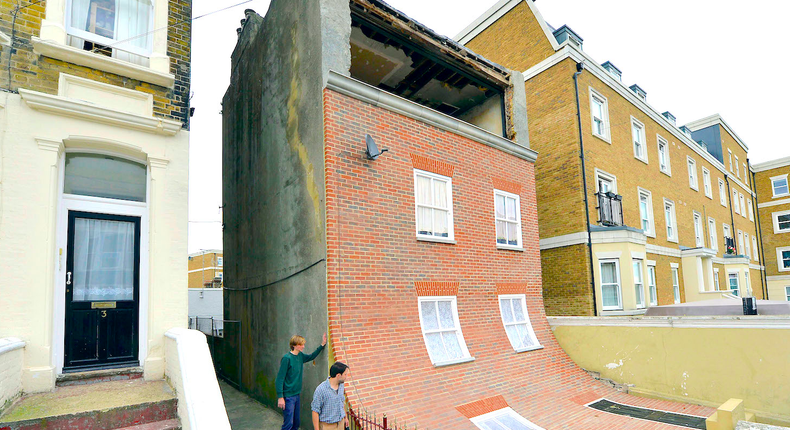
pixel 116 28
pixel 565 33
pixel 671 118
pixel 639 91
pixel 613 70
pixel 685 130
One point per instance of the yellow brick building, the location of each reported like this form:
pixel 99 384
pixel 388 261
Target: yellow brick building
pixel 205 269
pixel 663 201
pixel 773 211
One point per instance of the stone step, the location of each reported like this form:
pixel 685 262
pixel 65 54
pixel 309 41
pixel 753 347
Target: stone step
pixel 97 376
pixel 173 424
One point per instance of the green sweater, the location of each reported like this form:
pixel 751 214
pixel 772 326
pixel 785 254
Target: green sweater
pixel 289 378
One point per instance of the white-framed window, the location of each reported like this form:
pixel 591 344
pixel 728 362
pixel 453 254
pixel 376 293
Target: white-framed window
pixel 671 220
pixel 638 136
pixel 716 279
pixel 747 290
pixel 755 253
pixel 646 212
pixel 726 230
pixel 733 284
pixel 126 25
pixel 779 186
pixel 781 221
pixel 599 110
pixel 518 327
pixel 611 294
pixel 787 293
pixel 663 156
pixel 737 168
pixel 651 284
pixel 706 183
pixel 743 205
pixel 676 284
pixel 729 152
pixel 783 258
pixel 605 182
pixel 692 165
pixel 507 215
pixel 735 204
pixel 433 205
pixel 750 209
pixel 740 242
pixel 503 419
pixel 639 284
pixel 699 236
pixel 745 175
pixel 219 275
pixel 747 247
pixel 722 193
pixel 442 330
pixel 714 240
pixel 219 261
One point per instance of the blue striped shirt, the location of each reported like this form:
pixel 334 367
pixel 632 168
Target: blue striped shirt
pixel 328 403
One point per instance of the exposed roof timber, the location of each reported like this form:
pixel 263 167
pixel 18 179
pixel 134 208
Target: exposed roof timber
pixel 419 37
pixel 497 11
pixel 714 120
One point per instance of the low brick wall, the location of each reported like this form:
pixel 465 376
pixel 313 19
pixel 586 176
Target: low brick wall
pixel 11 361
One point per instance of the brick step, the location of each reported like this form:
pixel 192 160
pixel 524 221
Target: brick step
pixel 97 376
pixel 173 424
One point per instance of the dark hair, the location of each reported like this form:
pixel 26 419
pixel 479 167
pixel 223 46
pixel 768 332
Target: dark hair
pixel 337 369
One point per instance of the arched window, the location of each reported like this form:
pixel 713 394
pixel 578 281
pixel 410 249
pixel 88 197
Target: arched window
pixel 104 176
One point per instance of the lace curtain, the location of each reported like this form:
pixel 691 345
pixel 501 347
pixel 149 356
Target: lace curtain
pixel 103 260
pixel 131 26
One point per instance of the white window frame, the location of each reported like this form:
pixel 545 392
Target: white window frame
pixel 639 286
pixel 787 293
pixel 737 278
pixel 600 174
pixel 449 191
pixel 454 302
pixel 119 44
pixel 743 204
pixel 755 252
pixel 729 151
pixel 750 209
pixel 726 231
pixel 672 223
pixel 219 261
pixel 779 261
pixel 712 234
pixel 736 207
pixel 527 322
pixel 675 284
pixel 692 170
pixel 666 169
pixel 616 262
pixel 716 282
pixel 651 227
pixel 706 183
pixel 775 217
pixel 652 290
pixel 638 130
pixel 519 245
pixel 740 242
pixel 699 232
pixel 737 168
pixel 746 246
pixel 607 135
pixel 480 420
pixel 219 275
pixel 745 175
pixel 722 193
pixel 774 179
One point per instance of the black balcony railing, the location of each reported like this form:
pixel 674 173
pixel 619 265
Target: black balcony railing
pixel 729 245
pixel 610 209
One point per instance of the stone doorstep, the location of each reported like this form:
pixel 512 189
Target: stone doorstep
pixel 96 376
pixel 131 417
pixel 173 424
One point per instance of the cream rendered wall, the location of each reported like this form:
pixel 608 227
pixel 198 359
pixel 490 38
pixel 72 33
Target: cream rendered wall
pixel 776 287
pixel 32 145
pixel 625 252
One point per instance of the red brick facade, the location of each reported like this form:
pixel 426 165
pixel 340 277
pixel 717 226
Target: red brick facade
pixel 376 269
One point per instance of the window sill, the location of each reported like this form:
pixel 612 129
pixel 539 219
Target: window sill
pixel 709 196
pixel 49 48
pixel 604 138
pixel 451 362
pixel 642 160
pixel 509 248
pixel 620 312
pixel 778 196
pixel 530 348
pixel 436 239
pixel 666 172
pixel 694 188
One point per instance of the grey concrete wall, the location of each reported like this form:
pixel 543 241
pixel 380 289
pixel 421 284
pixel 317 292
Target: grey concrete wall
pixel 273 186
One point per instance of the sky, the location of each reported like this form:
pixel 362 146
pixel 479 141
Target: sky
pixel 693 58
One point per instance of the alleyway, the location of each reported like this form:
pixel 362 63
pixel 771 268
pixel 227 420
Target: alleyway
pixel 245 413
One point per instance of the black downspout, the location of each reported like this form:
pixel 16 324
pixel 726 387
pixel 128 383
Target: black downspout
pixel 732 217
pixel 763 277
pixel 579 69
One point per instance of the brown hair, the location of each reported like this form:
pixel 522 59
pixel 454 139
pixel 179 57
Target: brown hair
pixel 296 340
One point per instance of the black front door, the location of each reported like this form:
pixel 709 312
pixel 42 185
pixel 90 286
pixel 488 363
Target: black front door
pixel 102 291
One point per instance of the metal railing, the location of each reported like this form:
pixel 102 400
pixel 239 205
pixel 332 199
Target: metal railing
pixel 729 245
pixel 364 420
pixel 224 342
pixel 610 209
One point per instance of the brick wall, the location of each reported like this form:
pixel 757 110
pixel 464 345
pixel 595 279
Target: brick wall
pixel 34 72
pixel 375 263
pixel 771 241
pixel 566 281
pixel 10 375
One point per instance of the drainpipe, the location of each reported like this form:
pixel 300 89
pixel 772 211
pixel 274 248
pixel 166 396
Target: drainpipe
pixel 732 217
pixel 761 260
pixel 579 69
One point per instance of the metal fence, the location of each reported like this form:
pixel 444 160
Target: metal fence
pixel 364 420
pixel 610 209
pixel 224 343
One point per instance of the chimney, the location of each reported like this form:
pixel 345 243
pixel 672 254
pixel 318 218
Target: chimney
pixel 639 91
pixel 670 117
pixel 613 70
pixel 565 33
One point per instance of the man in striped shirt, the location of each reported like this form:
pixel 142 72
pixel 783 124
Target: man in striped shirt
pixel 329 412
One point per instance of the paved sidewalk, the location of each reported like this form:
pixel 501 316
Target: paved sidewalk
pixel 246 413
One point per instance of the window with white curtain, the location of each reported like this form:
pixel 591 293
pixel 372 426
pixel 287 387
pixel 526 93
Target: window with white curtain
pixel 750 209
pixel 507 215
pixel 651 285
pixel 735 204
pixel 716 279
pixel 104 265
pixel 754 248
pixel 442 330
pixel 122 28
pixel 639 284
pixel 433 194
pixel 610 285
pixel 676 284
pixel 517 324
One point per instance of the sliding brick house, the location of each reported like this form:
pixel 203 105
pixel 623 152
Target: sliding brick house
pixel 421 262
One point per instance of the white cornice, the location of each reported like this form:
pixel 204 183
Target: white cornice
pixel 564 240
pixel 10 344
pixel 773 164
pixel 698 252
pixel 778 278
pixel 752 322
pixel 377 97
pixel 773 203
pixel 58 51
pixel 662 250
pixel 498 11
pixel 77 109
pixel 618 236
pixel 572 52
pixel 716 119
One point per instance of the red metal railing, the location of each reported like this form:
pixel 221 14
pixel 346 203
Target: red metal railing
pixel 364 420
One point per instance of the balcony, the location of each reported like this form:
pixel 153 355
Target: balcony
pixel 610 209
pixel 729 245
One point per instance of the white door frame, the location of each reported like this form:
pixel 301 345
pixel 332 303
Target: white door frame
pixel 70 202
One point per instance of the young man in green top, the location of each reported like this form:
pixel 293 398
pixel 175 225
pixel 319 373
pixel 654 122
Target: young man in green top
pixel 289 380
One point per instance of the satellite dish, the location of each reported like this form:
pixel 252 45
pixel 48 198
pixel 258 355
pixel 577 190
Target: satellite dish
pixel 372 151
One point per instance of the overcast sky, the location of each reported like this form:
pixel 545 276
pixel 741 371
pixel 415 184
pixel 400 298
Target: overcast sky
pixel 694 58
